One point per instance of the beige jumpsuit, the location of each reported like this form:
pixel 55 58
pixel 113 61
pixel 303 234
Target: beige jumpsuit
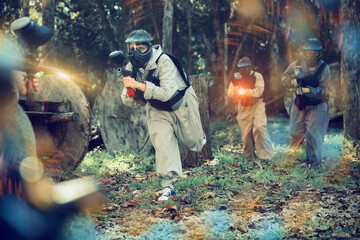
pixel 167 128
pixel 252 121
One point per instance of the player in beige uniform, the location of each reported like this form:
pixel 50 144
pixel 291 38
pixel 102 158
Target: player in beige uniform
pixel 157 83
pixel 247 87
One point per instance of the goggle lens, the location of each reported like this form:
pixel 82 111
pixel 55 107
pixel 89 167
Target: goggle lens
pixel 141 47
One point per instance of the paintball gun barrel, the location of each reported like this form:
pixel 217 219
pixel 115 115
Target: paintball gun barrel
pixel 118 58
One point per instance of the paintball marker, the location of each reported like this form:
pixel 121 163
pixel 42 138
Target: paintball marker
pixel 299 75
pixel 30 36
pixel 240 91
pixel 118 58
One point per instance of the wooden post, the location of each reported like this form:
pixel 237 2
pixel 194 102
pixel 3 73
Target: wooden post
pixel 189 158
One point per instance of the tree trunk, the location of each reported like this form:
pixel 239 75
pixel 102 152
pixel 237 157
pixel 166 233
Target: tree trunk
pixel 189 27
pixel 189 158
pixel 217 97
pixel 167 26
pixel 156 28
pixel 274 91
pixel 226 49
pixel 26 8
pixel 48 7
pixel 350 72
pixel 109 36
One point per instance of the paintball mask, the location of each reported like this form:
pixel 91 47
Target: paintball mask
pixel 139 48
pixel 244 65
pixel 312 52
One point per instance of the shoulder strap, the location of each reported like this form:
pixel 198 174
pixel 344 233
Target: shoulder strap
pixel 151 72
pixel 134 73
pixel 178 66
pixel 319 70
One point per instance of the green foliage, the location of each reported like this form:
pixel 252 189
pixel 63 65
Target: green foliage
pixel 9 10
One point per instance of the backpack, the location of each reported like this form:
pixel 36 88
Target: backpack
pixel 175 101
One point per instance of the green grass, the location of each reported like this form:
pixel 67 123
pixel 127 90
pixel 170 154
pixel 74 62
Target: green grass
pixel 231 173
pixel 108 162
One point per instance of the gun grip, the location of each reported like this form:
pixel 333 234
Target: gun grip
pixel 130 92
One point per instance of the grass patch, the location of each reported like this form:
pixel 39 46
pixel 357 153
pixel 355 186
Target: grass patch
pixel 228 176
pixel 112 162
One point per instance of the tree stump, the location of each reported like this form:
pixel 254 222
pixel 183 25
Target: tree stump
pixel 122 128
pixel 336 106
pixel 63 144
pixel 189 158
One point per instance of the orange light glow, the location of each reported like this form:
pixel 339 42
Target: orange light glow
pixel 241 91
pixel 63 75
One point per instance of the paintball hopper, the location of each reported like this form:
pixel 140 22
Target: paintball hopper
pixel 298 72
pixel 117 57
pixel 31 33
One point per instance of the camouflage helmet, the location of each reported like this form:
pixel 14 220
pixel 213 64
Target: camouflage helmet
pixel 139 35
pixel 244 62
pixel 313 44
pixel 244 65
pixel 139 59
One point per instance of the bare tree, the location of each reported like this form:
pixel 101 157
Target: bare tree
pixel 26 7
pixel 189 26
pixel 48 7
pixel 168 25
pixel 350 71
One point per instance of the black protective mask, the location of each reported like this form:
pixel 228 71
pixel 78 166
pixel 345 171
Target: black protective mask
pixel 312 58
pixel 138 60
pixel 245 71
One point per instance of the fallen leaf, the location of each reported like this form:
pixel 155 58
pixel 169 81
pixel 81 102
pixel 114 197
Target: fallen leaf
pixel 129 204
pixel 235 200
pixel 132 203
pixel 242 228
pixel 187 173
pixel 213 162
pixel 173 209
pixel 238 180
pixel 138 176
pixel 166 207
pixel 207 195
pixel 96 222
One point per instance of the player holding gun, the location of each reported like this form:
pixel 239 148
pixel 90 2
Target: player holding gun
pixel 247 87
